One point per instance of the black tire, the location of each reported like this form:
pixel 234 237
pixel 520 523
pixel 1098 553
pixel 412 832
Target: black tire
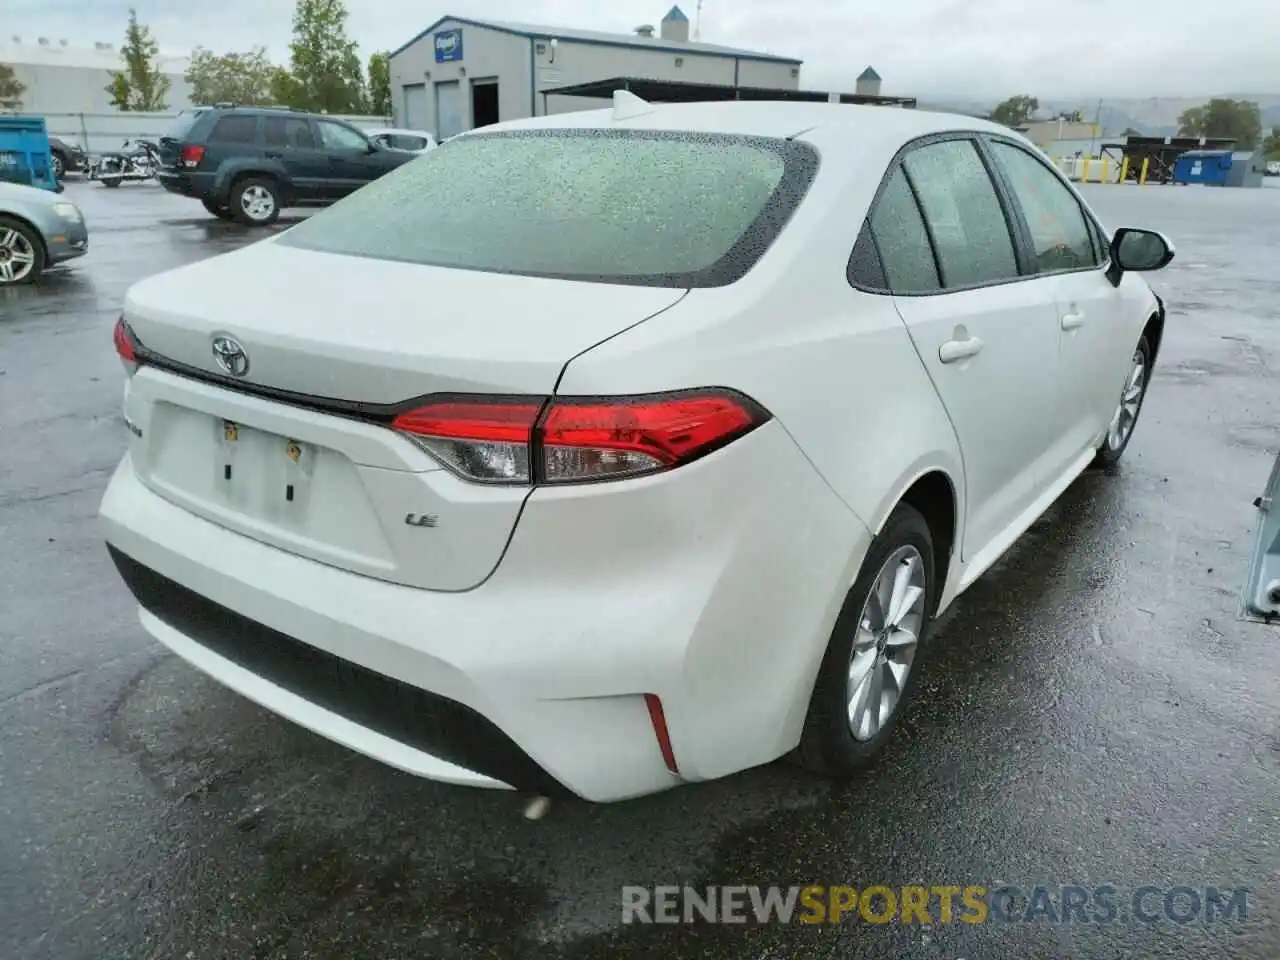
pixel 219 210
pixel 828 745
pixel 242 210
pixel 112 181
pixel 33 240
pixel 1110 452
pixel 59 165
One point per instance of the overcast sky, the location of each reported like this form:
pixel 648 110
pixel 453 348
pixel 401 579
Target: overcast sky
pixel 953 49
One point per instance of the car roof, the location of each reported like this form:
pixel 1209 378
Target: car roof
pixel 767 119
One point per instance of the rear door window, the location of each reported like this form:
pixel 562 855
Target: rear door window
pixel 236 128
pixel 971 237
pixel 288 132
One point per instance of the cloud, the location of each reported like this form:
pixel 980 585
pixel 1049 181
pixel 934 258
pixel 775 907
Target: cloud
pixel 934 49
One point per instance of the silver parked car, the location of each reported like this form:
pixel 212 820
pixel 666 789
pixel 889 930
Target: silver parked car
pixel 37 230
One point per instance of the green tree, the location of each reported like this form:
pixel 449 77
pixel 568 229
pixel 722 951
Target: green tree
pixel 286 91
pixel 1015 111
pixel 1271 145
pixel 140 86
pixel 230 78
pixel 323 59
pixel 380 84
pixel 1238 120
pixel 11 89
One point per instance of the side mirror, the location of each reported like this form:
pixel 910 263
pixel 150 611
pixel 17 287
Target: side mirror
pixel 1139 251
pixel 372 147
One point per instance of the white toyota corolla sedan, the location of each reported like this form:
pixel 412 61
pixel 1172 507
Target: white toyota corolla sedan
pixel 614 450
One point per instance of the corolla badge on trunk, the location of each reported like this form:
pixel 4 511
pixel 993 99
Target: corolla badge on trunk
pixel 230 356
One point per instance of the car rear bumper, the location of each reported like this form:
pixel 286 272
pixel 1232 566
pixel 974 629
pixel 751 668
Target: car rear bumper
pixel 715 590
pixel 197 186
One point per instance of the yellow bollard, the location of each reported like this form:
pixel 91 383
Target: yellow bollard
pixel 1142 174
pixel 1124 169
pixel 1084 176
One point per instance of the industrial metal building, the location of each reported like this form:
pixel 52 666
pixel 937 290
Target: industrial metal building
pixel 62 79
pixel 459 74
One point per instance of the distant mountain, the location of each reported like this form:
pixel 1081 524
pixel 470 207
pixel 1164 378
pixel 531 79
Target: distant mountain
pixel 1153 116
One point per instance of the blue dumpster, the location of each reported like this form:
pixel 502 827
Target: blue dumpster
pixel 24 153
pixel 1203 166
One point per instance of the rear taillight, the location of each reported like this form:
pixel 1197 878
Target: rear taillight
pixel 577 439
pixel 191 155
pixel 126 343
pixel 487 440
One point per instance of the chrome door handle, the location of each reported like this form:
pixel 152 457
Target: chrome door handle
pixel 1071 321
pixel 954 350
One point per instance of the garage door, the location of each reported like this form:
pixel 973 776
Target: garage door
pixel 448 109
pixel 415 107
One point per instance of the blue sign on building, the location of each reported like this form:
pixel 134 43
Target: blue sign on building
pixel 448 46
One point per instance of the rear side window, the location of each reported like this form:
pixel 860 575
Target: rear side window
pixel 287 132
pixel 967 223
pixel 236 128
pixel 618 206
pixel 901 238
pixel 1060 233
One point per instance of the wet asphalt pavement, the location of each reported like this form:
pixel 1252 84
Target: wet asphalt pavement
pixel 1093 713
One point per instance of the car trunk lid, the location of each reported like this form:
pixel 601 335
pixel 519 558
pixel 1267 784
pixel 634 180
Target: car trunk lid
pixel 297 451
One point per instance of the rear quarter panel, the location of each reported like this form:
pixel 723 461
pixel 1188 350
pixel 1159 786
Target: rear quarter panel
pixel 835 366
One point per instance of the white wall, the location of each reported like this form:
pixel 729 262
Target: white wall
pixel 486 54
pixel 492 53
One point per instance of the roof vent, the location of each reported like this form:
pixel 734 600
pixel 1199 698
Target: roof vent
pixel 43 41
pixel 645 31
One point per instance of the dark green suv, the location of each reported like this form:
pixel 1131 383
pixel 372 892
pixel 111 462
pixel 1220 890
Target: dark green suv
pixel 248 163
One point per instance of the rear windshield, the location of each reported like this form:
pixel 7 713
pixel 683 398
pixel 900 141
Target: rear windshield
pixel 183 122
pixel 659 209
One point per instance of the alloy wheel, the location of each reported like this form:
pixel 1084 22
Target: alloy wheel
pixel 257 202
pixel 885 645
pixel 17 256
pixel 1126 414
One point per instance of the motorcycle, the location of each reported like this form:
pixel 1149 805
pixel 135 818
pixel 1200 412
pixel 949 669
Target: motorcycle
pixel 137 160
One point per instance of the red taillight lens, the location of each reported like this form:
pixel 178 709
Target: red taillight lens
pixel 577 439
pixel 191 155
pixel 126 345
pixel 486 440
pixel 600 439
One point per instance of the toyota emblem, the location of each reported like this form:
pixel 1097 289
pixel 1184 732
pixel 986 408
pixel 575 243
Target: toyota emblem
pixel 230 356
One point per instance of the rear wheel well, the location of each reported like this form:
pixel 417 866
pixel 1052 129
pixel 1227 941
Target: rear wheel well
pixel 244 175
pixel 935 498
